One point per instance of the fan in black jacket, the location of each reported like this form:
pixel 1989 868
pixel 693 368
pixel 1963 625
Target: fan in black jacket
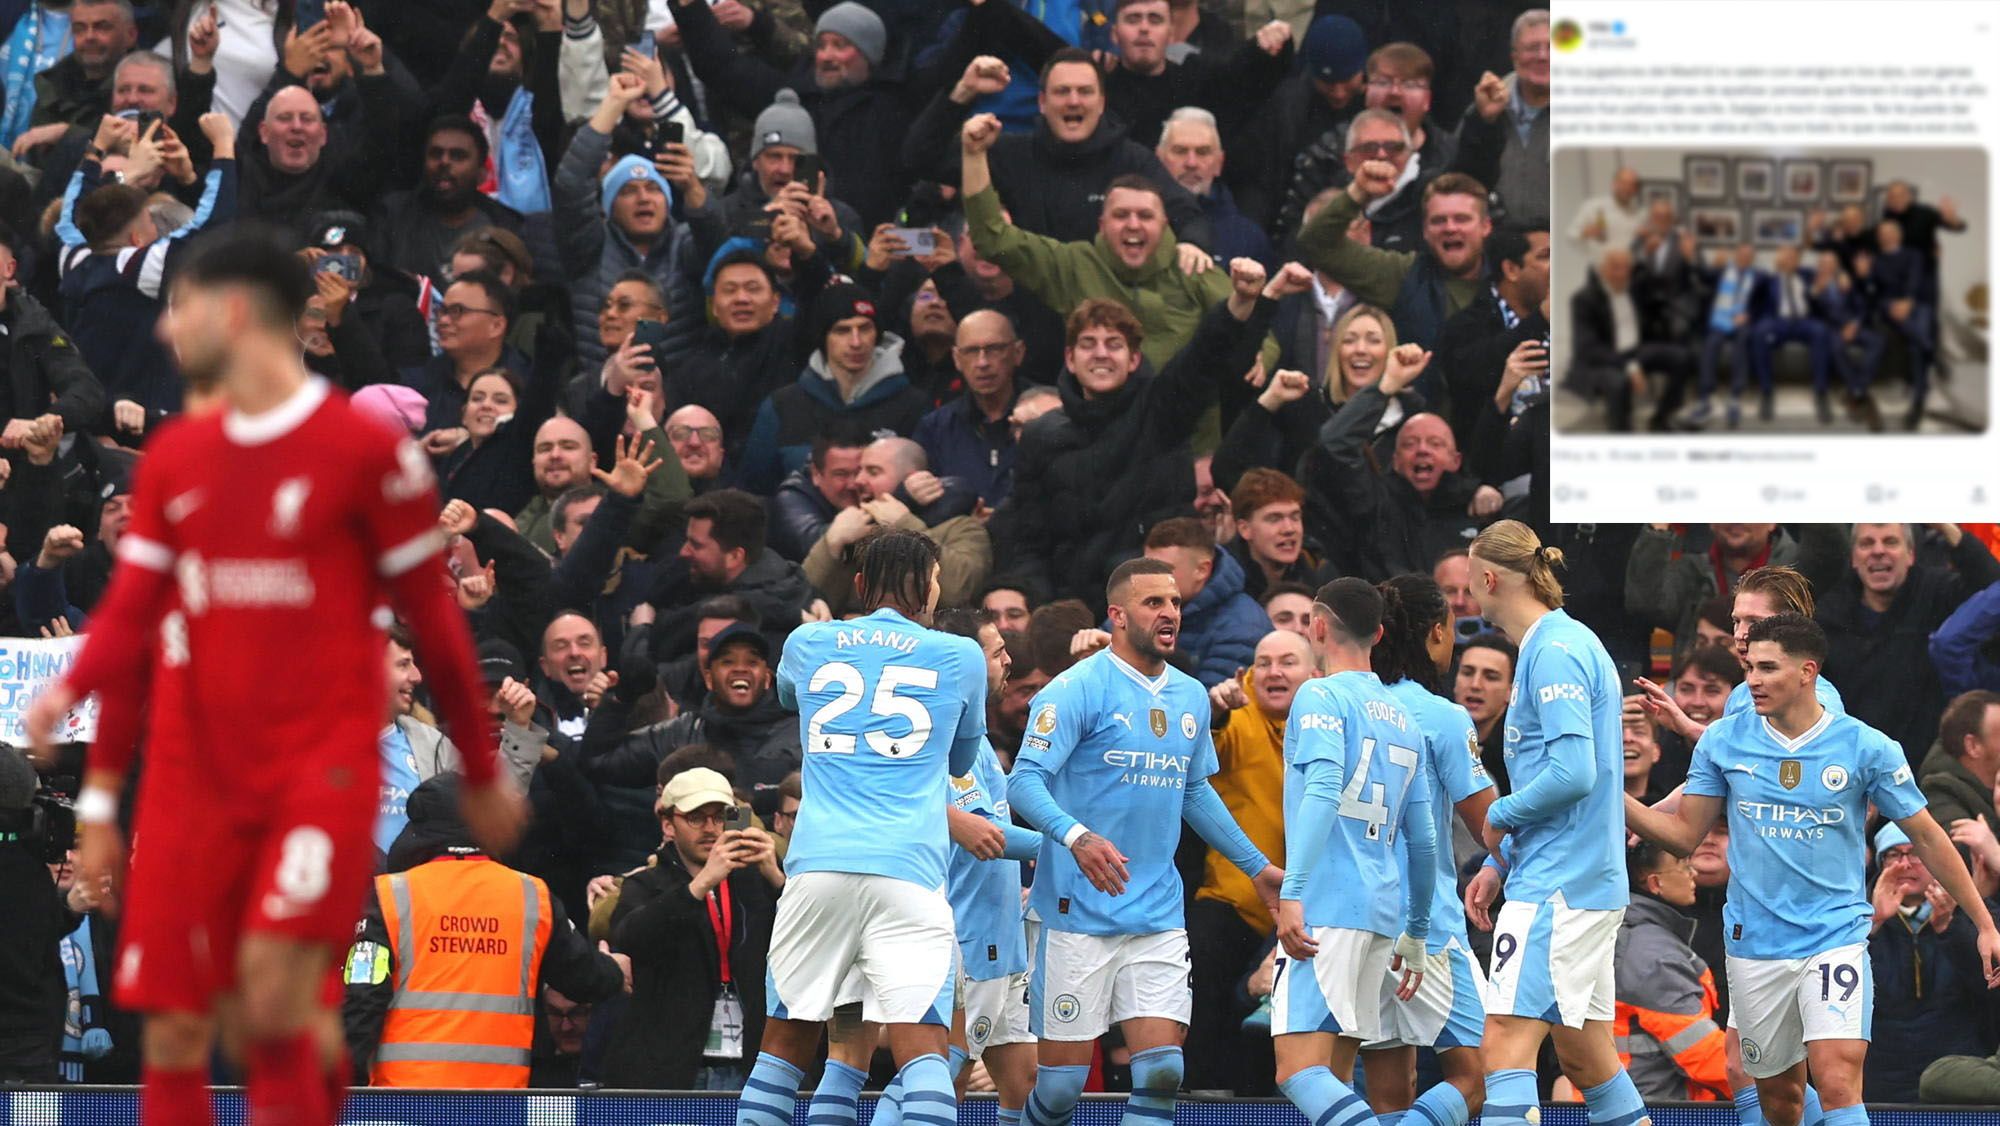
pixel 1603 363
pixel 1092 479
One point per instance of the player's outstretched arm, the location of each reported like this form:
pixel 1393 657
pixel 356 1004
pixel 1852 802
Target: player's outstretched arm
pixel 1934 846
pixel 1679 832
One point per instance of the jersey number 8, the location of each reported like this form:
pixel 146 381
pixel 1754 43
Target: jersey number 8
pixel 886 704
pixel 1374 812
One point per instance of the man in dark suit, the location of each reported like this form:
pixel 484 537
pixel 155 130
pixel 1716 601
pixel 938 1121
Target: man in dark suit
pixel 1856 348
pixel 1898 279
pixel 1781 311
pixel 1618 342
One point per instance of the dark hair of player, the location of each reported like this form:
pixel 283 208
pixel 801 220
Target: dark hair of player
pixel 255 257
pixel 1796 634
pixel 964 621
pixel 1413 605
pixel 895 571
pixel 1496 641
pixel 1353 608
pixel 1121 577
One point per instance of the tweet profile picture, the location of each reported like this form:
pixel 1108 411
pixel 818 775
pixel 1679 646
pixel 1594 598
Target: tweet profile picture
pixel 1568 35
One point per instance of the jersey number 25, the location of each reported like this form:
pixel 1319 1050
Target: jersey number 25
pixel 886 703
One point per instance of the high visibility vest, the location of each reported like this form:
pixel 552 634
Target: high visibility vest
pixel 1659 1048
pixel 467 937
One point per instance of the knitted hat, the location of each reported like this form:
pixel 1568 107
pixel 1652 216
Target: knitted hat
pixel 1335 49
pixel 628 169
pixel 858 26
pixel 399 408
pixel 784 122
pixel 837 303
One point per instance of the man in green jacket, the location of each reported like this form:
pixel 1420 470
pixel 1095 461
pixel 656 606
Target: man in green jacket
pixel 1422 289
pixel 1134 260
pixel 1957 775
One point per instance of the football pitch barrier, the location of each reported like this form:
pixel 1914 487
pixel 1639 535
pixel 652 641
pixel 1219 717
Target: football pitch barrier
pixel 119 1106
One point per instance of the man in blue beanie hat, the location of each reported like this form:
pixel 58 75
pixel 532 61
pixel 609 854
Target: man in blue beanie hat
pixel 611 221
pixel 1316 102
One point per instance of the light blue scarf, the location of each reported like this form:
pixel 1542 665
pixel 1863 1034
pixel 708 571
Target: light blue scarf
pixel 39 41
pixel 517 164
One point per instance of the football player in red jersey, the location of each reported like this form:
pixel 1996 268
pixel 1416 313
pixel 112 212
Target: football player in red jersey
pixel 273 528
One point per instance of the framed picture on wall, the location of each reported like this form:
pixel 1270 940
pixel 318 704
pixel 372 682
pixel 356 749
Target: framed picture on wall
pixel 1756 180
pixel 1777 226
pixel 1707 177
pixel 1802 181
pixel 1716 226
pixel 1653 190
pixel 1847 181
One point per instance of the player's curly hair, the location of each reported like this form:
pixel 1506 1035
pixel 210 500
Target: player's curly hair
pixel 1515 546
pixel 1788 590
pixel 895 571
pixel 1412 606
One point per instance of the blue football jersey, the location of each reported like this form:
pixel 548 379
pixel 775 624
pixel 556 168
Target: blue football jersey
pixel 1454 773
pixel 986 894
pixel 1823 689
pixel 881 703
pixel 1798 820
pixel 1116 750
pixel 1350 719
pixel 1565 684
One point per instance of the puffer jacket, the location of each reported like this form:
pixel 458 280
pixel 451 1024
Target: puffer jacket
pixel 1221 625
pixel 594 252
pixel 1091 478
pixel 786 424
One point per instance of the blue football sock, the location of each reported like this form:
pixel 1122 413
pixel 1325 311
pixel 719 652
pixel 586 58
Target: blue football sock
pixel 1156 1082
pixel 770 1093
pixel 1325 1100
pixel 1615 1102
pixel 889 1108
pixel 1010 1116
pixel 1856 1115
pixel 1749 1108
pixel 1391 1118
pixel 1813 1114
pixel 955 1061
pixel 1512 1099
pixel 1053 1100
pixel 926 1097
pixel 834 1100
pixel 1442 1105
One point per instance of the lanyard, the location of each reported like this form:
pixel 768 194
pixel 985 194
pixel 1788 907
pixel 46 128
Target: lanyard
pixel 721 919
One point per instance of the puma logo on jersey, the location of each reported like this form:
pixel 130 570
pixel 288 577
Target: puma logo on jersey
pixel 286 502
pixel 1123 718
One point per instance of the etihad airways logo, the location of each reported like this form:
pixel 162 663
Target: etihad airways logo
pixel 1780 821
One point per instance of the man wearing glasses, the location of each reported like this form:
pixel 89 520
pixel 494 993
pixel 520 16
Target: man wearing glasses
pixel 472 337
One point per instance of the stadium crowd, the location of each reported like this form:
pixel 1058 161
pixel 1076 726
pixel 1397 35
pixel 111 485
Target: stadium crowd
pixel 685 300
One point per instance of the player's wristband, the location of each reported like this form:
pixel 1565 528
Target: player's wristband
pixel 96 806
pixel 1076 831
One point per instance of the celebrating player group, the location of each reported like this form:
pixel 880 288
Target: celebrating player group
pixel 278 515
pixel 1374 955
